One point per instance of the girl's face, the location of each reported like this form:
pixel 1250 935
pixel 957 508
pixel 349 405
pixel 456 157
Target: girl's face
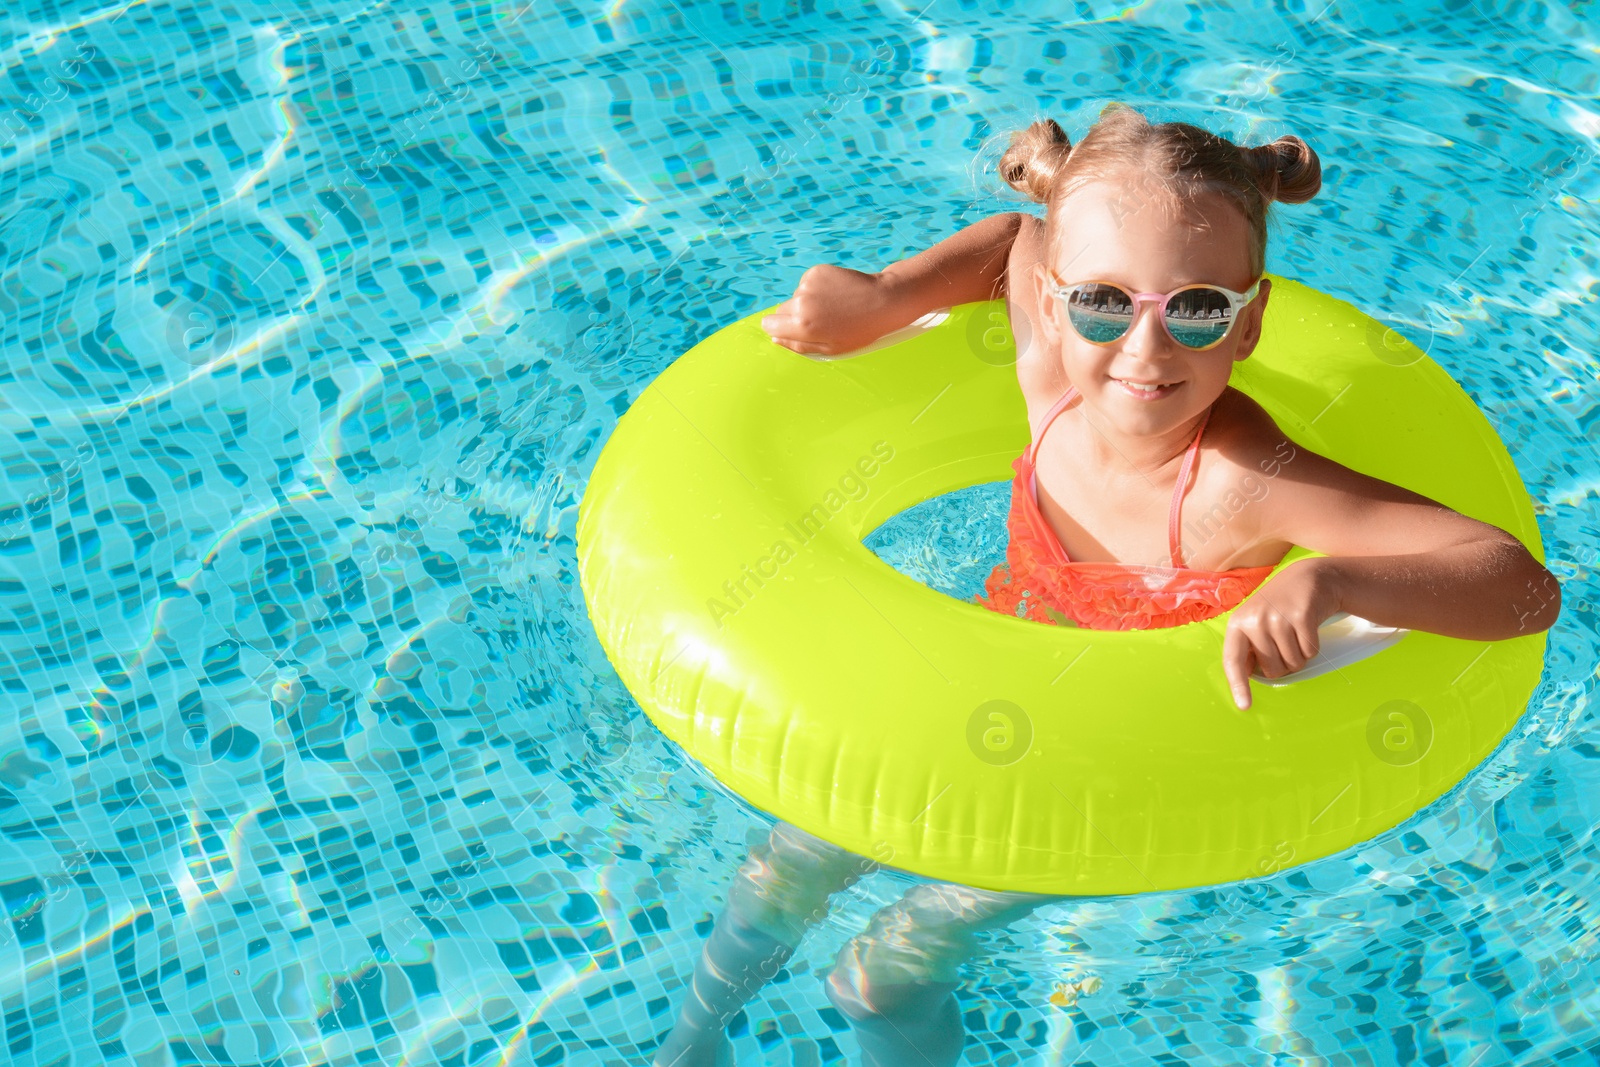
pixel 1133 234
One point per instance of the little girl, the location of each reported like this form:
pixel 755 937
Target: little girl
pixel 1130 300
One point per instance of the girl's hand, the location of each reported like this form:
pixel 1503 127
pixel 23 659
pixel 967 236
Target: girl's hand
pixel 1276 628
pixel 834 310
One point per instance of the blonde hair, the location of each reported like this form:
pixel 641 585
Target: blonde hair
pixel 1187 161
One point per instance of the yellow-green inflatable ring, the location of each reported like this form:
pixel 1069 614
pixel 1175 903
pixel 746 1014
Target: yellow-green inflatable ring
pixel 719 549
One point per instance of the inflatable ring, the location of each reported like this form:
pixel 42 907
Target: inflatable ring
pixel 719 550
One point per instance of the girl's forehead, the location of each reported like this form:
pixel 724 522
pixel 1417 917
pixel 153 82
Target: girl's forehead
pixel 1103 224
pixel 1136 194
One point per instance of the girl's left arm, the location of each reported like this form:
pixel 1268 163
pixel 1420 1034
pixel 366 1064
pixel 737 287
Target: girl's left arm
pixel 1393 556
pixel 1400 559
pixel 1488 589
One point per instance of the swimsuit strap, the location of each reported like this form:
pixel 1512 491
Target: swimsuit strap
pixel 1178 490
pixel 1049 417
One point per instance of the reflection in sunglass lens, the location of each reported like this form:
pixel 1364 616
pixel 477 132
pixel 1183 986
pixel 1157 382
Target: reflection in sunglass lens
pixel 1100 313
pixel 1199 317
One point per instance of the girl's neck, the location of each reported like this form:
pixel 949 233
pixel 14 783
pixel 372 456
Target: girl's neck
pixel 1142 456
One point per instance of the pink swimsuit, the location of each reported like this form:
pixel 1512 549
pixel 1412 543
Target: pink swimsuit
pixel 1039 578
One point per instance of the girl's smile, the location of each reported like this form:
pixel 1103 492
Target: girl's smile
pixel 1145 391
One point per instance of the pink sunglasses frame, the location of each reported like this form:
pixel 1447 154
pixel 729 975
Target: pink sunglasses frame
pixel 1236 301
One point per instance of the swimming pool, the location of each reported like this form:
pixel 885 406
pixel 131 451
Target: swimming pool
pixel 315 318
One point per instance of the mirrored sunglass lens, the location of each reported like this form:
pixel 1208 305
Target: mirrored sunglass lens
pixel 1199 317
pixel 1100 313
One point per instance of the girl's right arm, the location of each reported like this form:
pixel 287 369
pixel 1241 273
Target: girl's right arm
pixel 836 309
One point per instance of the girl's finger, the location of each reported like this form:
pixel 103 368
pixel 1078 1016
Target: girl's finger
pixel 1264 648
pixel 1286 643
pixel 791 319
pixel 794 328
pixel 1236 665
pixel 1310 640
pixel 779 323
pixel 805 348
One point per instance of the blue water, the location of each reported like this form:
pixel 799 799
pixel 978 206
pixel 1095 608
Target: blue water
pixel 315 317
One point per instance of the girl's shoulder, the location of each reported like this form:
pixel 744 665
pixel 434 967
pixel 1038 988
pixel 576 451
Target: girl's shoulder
pixel 1245 452
pixel 1301 497
pixel 1243 435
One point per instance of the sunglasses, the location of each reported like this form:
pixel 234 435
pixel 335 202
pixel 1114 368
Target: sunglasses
pixel 1196 316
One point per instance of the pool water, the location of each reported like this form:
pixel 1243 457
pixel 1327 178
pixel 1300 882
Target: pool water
pixel 315 319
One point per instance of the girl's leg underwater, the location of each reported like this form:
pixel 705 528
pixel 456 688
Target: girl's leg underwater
pixel 780 890
pixel 896 980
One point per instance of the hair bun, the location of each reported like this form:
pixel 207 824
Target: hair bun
pixel 1286 170
pixel 1033 161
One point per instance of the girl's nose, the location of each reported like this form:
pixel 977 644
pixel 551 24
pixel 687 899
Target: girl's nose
pixel 1147 337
